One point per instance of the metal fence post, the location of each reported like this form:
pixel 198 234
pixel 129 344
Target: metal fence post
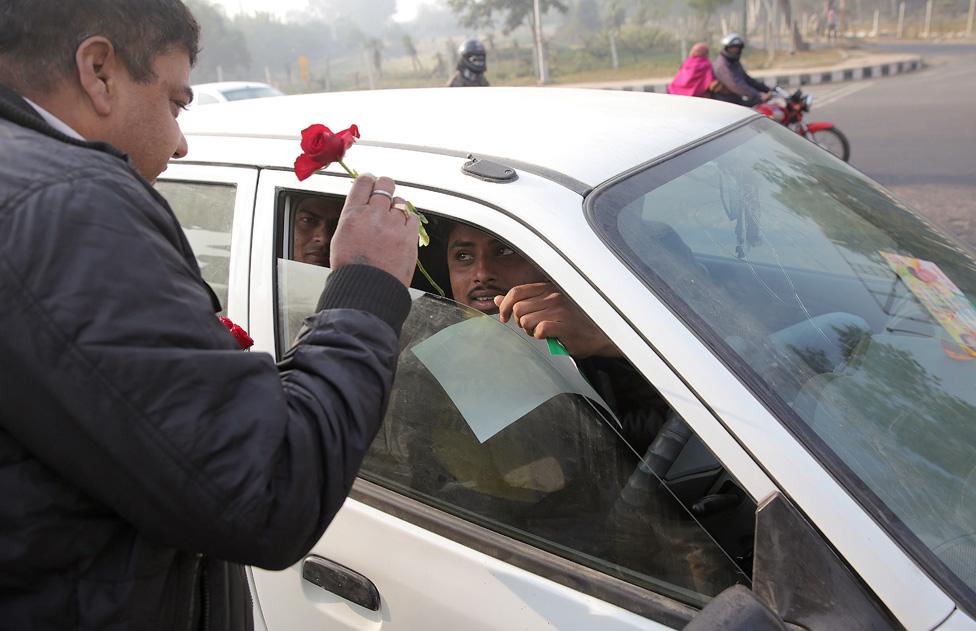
pixel 540 50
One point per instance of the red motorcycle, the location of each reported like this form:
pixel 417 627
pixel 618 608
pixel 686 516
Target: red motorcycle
pixel 788 109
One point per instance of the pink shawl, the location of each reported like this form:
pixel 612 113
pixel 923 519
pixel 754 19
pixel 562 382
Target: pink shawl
pixel 693 78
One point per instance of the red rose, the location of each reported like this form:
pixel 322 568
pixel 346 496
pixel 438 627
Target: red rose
pixel 321 148
pixel 243 339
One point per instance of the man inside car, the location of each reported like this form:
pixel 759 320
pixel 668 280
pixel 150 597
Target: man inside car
pixel 315 221
pixel 560 471
pixel 487 274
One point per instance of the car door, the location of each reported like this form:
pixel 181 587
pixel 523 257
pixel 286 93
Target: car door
pixel 406 554
pixel 215 207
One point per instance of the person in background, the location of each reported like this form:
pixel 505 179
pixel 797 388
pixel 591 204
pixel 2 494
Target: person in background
pixel 695 77
pixel 736 84
pixel 471 66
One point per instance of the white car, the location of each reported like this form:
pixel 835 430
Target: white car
pixel 225 91
pixel 806 342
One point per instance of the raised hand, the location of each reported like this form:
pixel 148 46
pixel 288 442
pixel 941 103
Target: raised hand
pixel 372 231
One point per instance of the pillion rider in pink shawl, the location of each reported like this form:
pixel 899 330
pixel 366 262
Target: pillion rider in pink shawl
pixel 695 76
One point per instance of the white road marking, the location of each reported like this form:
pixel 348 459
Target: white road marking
pixel 842 93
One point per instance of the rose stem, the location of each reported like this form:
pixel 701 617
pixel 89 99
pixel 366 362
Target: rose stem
pixel 351 172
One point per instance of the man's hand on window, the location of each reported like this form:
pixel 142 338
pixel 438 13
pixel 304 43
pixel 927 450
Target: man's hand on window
pixel 543 311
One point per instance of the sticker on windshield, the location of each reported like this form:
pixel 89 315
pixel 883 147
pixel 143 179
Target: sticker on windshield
pixel 940 296
pixel 496 374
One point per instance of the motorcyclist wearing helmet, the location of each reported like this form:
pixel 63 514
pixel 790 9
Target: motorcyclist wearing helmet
pixel 737 86
pixel 471 66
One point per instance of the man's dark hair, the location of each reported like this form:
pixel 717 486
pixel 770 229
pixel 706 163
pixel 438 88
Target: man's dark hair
pixel 39 38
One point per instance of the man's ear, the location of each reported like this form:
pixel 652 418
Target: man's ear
pixel 98 69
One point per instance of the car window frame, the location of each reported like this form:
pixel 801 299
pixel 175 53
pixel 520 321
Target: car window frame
pixel 244 179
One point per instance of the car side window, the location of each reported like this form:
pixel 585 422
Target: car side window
pixel 515 435
pixel 205 99
pixel 206 213
pixel 498 429
pixel 308 221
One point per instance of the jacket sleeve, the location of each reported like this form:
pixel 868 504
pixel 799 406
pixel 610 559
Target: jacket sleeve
pixel 117 375
pixel 756 84
pixel 734 79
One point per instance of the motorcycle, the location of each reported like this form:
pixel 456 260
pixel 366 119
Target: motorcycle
pixel 788 109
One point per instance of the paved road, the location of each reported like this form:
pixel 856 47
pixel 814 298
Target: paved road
pixel 916 133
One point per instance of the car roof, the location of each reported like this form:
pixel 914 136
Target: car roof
pixel 587 135
pixel 228 85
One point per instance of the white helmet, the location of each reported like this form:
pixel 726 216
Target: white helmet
pixel 732 40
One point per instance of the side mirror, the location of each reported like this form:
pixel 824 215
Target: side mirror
pixel 736 609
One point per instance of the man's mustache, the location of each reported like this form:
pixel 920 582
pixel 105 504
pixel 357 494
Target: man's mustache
pixel 483 288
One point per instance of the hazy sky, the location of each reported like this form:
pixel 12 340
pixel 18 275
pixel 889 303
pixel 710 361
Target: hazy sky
pixel 406 8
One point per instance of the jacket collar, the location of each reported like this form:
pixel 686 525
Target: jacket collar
pixel 18 111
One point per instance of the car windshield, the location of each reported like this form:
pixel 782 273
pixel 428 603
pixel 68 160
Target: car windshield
pixel 848 315
pixel 250 92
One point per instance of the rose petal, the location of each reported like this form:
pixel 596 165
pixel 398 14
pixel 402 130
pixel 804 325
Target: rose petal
pixel 243 339
pixel 313 138
pixel 306 165
pixel 349 136
pixel 240 335
pixel 333 148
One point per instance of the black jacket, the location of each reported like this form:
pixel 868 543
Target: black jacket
pixel 138 445
pixel 468 79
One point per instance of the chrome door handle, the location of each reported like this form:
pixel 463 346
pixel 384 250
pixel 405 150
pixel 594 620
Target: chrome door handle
pixel 341 581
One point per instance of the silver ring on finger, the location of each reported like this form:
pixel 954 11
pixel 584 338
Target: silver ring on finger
pixel 385 194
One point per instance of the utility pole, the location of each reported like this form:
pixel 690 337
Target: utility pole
pixel 369 69
pixel 928 19
pixel 539 49
pixel 614 60
pixel 972 13
pixel 901 20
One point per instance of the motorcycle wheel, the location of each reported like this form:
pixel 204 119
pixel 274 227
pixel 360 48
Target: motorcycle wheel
pixel 833 141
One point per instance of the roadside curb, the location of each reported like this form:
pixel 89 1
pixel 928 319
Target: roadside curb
pixel 799 77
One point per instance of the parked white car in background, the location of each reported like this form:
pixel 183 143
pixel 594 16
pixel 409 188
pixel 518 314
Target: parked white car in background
pixel 225 91
pixel 805 338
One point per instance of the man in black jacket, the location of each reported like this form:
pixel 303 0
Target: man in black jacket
pixel 490 276
pixel 140 452
pixel 737 86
